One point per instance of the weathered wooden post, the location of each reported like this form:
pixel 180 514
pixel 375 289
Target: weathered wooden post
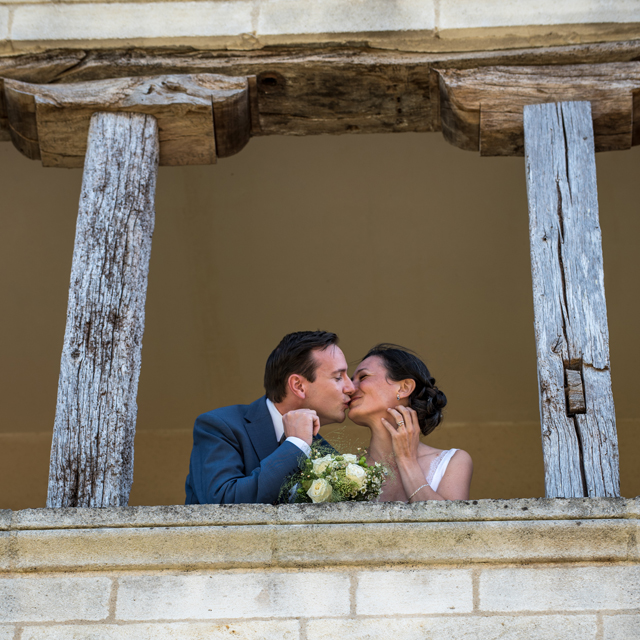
pixel 92 449
pixel 133 125
pixel 572 338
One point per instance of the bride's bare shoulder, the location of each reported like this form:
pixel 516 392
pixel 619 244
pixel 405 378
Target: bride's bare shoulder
pixel 425 451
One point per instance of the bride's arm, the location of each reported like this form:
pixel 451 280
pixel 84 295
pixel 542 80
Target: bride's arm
pixel 405 436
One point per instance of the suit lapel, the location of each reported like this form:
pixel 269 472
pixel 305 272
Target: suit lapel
pixel 259 426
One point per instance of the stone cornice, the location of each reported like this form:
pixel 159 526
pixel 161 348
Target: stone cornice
pixel 290 536
pixel 211 515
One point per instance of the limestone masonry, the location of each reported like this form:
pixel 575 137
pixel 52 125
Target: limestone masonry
pixel 413 25
pixel 543 569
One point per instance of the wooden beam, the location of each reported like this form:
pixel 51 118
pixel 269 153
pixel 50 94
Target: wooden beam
pixel 309 90
pixel 92 449
pixel 200 117
pixel 572 336
pixel 41 68
pixel 481 109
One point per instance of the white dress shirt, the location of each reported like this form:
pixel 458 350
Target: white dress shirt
pixel 278 426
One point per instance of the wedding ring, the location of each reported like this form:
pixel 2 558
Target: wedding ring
pixel 401 423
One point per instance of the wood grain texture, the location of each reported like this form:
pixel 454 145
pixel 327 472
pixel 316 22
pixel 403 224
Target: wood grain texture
pixel 232 121
pixel 574 390
pixel 185 107
pixel 42 67
pixel 318 89
pixel 482 108
pixel 20 109
pixel 581 451
pixel 92 448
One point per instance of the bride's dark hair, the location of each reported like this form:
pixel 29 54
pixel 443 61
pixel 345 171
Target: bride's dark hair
pixel 426 399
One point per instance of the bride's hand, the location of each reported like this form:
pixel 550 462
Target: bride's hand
pixel 405 432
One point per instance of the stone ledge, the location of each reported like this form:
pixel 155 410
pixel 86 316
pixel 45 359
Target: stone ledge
pixel 5 519
pixel 288 536
pixel 351 512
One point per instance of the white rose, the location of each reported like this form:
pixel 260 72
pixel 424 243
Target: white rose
pixel 356 474
pixel 320 464
pixel 320 490
pixel 350 457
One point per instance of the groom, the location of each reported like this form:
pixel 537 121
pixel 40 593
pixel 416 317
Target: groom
pixel 236 455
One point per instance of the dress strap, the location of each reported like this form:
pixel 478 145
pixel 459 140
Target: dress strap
pixel 438 468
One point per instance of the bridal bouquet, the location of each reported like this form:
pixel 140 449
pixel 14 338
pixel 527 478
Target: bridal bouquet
pixel 336 477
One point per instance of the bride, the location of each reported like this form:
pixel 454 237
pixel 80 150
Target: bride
pixel 396 397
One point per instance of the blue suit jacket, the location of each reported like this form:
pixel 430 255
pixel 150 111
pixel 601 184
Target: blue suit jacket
pixel 235 457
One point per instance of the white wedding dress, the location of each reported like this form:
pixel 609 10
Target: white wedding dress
pixel 438 467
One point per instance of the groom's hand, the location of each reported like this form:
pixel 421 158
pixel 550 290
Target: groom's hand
pixel 301 423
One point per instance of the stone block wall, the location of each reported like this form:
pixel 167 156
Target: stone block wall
pixel 535 569
pixel 413 25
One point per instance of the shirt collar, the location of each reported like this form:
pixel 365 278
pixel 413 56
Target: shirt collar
pixel 276 418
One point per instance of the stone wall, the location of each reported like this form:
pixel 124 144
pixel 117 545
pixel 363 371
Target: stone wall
pixel 415 25
pixel 543 569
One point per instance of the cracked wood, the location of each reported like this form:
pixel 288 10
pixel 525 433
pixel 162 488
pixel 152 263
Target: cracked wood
pixel 200 116
pixel 309 90
pixel 92 449
pixel 481 109
pixel 581 450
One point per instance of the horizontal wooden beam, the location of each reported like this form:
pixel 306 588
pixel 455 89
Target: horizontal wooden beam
pixel 481 109
pixel 309 90
pixel 200 116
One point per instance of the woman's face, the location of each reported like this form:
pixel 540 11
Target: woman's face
pixel 374 394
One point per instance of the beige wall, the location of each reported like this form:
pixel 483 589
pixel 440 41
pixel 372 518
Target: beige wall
pixel 380 238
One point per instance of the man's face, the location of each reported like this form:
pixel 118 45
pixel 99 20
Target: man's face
pixel 330 392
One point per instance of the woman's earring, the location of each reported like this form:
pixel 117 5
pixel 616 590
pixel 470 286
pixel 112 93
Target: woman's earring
pixel 398 396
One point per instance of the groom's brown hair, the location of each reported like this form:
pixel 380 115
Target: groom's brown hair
pixel 294 355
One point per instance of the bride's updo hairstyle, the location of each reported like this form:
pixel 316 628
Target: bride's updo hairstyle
pixel 426 399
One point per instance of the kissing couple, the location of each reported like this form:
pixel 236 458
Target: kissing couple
pixel 245 453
